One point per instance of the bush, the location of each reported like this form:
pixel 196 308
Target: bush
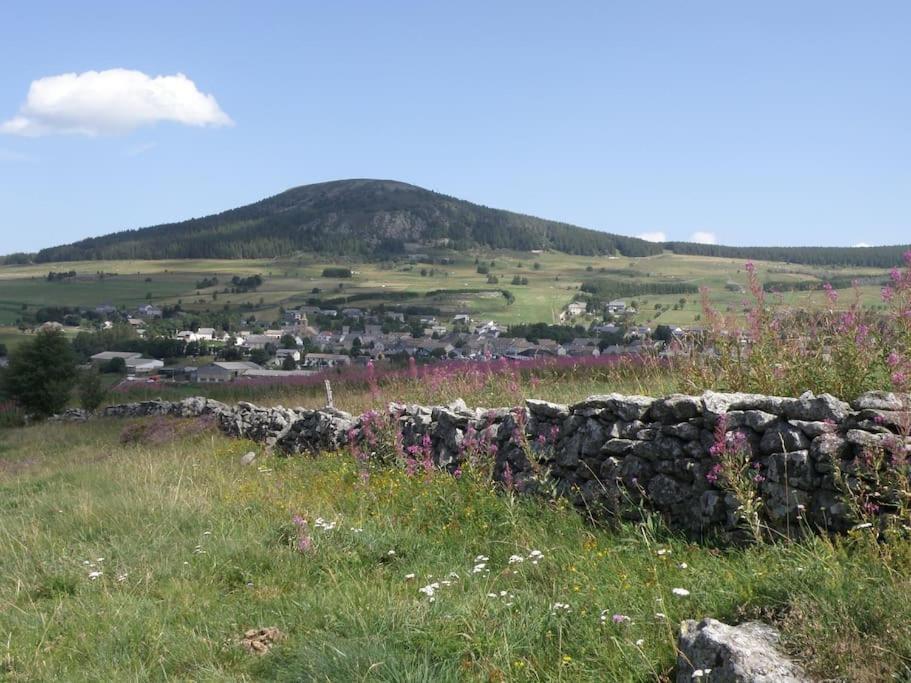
pixel 336 272
pixel 91 390
pixel 41 373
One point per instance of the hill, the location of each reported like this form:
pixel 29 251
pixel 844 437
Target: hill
pixel 357 218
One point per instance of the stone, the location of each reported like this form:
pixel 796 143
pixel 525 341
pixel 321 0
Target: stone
pixel 748 653
pixel 783 437
pixel 813 429
pixel 247 458
pixel 716 403
pixel 617 446
pixel 827 450
pixel 665 491
pixel 816 408
pixel 758 420
pixel 627 408
pixel 685 430
pixel 554 411
pixel 676 408
pixel 878 400
pixel 793 468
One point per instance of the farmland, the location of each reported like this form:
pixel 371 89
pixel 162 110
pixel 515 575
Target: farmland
pixel 455 285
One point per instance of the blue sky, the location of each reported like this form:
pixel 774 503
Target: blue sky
pixel 756 123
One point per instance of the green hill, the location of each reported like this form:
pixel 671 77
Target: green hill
pixel 358 218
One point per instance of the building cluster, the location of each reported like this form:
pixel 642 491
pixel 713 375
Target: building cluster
pixel 352 335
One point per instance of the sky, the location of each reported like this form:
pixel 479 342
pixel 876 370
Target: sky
pixel 746 123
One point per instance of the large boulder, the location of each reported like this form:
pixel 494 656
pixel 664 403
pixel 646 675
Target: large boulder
pixel 712 651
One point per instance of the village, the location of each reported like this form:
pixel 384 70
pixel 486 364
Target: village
pixel 309 340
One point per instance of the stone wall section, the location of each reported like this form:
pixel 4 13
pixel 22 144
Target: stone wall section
pixel 615 454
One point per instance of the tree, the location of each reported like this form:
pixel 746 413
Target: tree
pixel 115 365
pixel 91 390
pixel 288 363
pixel 41 373
pixel 259 356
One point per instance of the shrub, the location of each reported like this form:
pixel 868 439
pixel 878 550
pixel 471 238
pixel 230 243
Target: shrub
pixel 91 390
pixel 41 373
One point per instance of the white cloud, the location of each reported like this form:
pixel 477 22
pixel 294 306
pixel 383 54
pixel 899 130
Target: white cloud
pixel 653 236
pixel 111 102
pixel 863 244
pixel 704 238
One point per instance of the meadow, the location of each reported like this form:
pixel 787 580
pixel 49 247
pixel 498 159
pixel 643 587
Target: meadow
pixel 149 558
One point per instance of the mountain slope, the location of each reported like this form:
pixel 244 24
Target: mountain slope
pixel 347 217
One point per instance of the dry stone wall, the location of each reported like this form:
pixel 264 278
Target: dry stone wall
pixel 616 455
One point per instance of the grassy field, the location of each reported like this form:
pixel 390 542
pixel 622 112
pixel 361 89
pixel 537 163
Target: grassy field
pixel 149 561
pixel 289 282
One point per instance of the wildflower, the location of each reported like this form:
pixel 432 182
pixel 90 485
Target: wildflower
pixel 94 575
pixel 122 577
pixel 481 558
pixel 535 556
pixel 391 553
pixel 408 577
pixel 567 659
pixel 429 589
pixel 620 619
pixel 560 606
pixel 662 551
pixel 297 520
pixel 682 565
pixel 516 559
pixel 479 567
pixel 680 592
pixel 356 530
pixel 660 616
pixel 304 544
pixel 640 642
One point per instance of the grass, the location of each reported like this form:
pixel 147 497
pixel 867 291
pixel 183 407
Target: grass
pixel 197 549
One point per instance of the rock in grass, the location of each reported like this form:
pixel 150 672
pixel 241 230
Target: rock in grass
pixel 247 458
pixel 712 651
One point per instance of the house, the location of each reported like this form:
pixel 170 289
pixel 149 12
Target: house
pixel 224 371
pixel 329 312
pixel 325 360
pixel 576 308
pixel 207 333
pixel 352 313
pixel 258 341
pixel 105 309
pixel 148 311
pixel 278 374
pixel 617 306
pixel 583 346
pixel 292 317
pixel 143 366
pixel 490 328
pixel 461 319
pixel 136 322
pixel 107 356
pixel 395 315
pixel 294 354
